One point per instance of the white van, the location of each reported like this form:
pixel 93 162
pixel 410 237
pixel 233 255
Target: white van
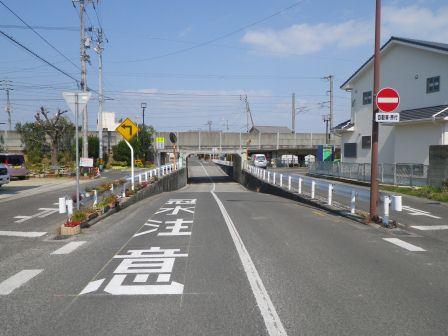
pixel 259 160
pixel 4 176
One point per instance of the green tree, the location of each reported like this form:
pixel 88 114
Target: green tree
pixel 33 137
pixel 141 143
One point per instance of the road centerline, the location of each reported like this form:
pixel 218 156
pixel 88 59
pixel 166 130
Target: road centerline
pixel 271 319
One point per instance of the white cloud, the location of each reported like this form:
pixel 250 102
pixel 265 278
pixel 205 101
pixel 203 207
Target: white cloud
pixel 185 31
pixel 412 21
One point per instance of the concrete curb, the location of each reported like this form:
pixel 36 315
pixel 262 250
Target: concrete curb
pixel 174 181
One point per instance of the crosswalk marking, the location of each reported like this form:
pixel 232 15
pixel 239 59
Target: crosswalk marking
pixel 403 244
pixel 22 234
pixel 430 227
pixel 68 248
pixel 17 280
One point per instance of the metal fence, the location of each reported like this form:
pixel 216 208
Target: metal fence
pixel 400 174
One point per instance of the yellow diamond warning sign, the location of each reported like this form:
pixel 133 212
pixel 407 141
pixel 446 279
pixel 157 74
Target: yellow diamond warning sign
pixel 127 129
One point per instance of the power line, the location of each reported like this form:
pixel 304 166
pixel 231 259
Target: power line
pixel 223 36
pixel 38 34
pixel 39 57
pixel 73 29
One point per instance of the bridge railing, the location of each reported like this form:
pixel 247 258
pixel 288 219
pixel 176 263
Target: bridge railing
pixel 324 191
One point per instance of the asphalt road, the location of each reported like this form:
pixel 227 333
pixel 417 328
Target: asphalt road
pixel 423 216
pixel 215 259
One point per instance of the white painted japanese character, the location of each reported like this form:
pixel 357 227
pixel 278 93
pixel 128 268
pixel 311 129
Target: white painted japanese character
pixel 175 229
pixel 182 201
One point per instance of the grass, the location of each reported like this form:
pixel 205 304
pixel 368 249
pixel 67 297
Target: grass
pixel 437 194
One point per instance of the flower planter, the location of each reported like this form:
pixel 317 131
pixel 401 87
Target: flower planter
pixel 92 216
pixel 71 228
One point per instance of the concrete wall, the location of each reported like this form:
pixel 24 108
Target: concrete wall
pixel 405 69
pixel 438 165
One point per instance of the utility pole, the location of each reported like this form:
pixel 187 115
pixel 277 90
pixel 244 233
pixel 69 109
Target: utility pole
pixel 99 50
pixel 293 113
pixel 326 119
pixel 248 112
pixel 209 123
pixel 227 125
pixel 374 188
pixel 330 78
pixel 143 106
pixel 84 58
pixel 6 86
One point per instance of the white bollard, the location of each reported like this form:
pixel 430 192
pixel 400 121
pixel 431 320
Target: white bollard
pixel 140 178
pixel 397 203
pixel 95 197
pixel 62 205
pixel 299 189
pixel 330 194
pixel 273 178
pixel 313 189
pixel 281 180
pixel 353 203
pixel 289 183
pixel 69 207
pixel 112 187
pixel 269 176
pixel 264 174
pixel 146 176
pixel 123 192
pixel 386 210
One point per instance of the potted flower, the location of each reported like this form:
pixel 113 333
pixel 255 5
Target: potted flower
pixel 73 225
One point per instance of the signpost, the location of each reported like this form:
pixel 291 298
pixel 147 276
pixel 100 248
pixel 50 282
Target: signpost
pixel 128 129
pixel 75 101
pixel 387 101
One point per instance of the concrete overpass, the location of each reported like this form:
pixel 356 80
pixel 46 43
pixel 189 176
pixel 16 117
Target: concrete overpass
pixel 222 142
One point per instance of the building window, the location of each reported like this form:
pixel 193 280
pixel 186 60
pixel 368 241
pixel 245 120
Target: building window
pixel 367 98
pixel 366 142
pixel 350 150
pixel 433 84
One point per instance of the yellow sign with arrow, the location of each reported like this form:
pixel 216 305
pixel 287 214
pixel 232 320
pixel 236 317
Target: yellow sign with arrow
pixel 128 129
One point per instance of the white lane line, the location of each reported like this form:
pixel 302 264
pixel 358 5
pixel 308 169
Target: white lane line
pixel 22 234
pixel 68 248
pixel 17 280
pixel 92 286
pixel 271 319
pixel 403 244
pixel 430 227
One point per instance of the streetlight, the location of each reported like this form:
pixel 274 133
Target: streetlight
pixel 143 106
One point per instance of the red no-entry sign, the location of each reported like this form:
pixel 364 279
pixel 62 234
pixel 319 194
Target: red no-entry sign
pixel 387 100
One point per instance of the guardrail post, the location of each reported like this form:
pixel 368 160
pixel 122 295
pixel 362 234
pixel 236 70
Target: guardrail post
pixel 353 203
pixel 273 178
pixel 313 189
pixel 330 194
pixel 289 183
pixel 146 176
pixel 123 194
pixel 281 180
pixel 95 197
pixel 140 178
pixel 386 210
pixel 264 174
pixel 269 176
pixel 299 190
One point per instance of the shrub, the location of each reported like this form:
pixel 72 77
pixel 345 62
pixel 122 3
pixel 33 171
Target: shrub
pixel 78 216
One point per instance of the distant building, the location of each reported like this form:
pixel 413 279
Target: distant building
pixel 269 129
pixel 418 70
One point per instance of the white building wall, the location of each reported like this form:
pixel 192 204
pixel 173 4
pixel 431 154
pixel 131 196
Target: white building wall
pixel 405 69
pixel 415 140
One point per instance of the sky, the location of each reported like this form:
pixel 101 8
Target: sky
pixel 194 61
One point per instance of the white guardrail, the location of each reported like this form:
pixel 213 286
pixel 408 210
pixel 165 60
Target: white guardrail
pixel 66 204
pixel 310 187
pixel 223 162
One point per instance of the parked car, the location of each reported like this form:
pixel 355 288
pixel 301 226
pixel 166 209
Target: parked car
pixel 4 176
pixel 259 160
pixel 15 163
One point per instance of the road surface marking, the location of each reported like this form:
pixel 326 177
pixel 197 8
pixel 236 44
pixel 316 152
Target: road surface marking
pixel 44 212
pixel 404 245
pixel 271 319
pixel 68 248
pixel 92 286
pixel 22 234
pixel 430 227
pixel 417 212
pixel 17 280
